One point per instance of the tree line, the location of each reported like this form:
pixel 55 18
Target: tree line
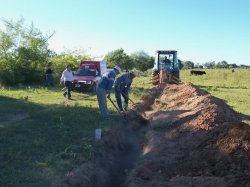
pixel 210 65
pixel 24 54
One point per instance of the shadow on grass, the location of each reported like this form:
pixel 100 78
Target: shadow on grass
pixel 15 108
pixel 52 139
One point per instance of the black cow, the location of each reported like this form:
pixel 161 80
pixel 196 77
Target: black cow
pixel 197 72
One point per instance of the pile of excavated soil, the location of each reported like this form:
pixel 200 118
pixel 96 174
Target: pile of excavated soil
pixel 195 139
pixel 186 138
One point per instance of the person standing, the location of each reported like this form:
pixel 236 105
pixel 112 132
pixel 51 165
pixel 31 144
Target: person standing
pixel 122 87
pixel 67 78
pixel 103 90
pixel 49 81
pixel 168 66
pixel 169 71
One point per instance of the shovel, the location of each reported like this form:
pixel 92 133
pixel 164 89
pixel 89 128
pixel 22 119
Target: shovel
pixel 114 105
pixel 131 102
pixel 127 97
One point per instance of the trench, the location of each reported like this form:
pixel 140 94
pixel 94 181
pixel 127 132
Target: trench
pixel 201 147
pixel 122 149
pixel 125 160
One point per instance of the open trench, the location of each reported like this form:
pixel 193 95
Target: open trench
pixel 125 159
pixel 188 138
pixel 122 148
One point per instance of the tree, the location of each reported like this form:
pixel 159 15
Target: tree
pixel 61 60
pixel 25 50
pixel 118 58
pixel 244 66
pixel 142 61
pixel 222 64
pixel 232 66
pixel 180 63
pixel 6 43
pixel 188 65
pixel 210 65
pixel 197 65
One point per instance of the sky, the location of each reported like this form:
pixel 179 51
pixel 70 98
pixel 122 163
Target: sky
pixel 200 30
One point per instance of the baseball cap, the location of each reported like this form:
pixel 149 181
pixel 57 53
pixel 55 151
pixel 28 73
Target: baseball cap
pixel 118 69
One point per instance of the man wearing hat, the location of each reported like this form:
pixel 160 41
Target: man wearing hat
pixel 122 87
pixel 103 89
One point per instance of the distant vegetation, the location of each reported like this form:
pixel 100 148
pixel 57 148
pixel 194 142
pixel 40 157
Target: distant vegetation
pixel 139 60
pixel 24 54
pixel 209 65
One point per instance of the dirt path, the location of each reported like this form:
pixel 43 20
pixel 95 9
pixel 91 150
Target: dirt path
pixel 191 139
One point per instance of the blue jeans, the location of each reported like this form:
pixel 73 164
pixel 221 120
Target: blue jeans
pixel 118 94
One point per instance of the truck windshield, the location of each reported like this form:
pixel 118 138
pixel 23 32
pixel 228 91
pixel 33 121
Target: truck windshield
pixel 86 72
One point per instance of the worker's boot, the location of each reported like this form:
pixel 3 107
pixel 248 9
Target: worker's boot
pixel 121 109
pixel 125 106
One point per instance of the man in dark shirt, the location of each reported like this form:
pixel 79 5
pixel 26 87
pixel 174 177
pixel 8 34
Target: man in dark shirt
pixel 122 87
pixel 49 75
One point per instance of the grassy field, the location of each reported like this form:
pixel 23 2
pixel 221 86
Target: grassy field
pixel 233 88
pixel 43 136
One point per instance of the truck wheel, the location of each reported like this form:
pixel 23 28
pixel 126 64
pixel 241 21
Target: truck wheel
pixel 94 87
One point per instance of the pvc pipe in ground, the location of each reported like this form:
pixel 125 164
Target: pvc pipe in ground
pixel 98 134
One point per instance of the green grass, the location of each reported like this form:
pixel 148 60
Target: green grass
pixel 233 88
pixel 54 136
pixel 223 78
pixel 43 136
pixel 140 87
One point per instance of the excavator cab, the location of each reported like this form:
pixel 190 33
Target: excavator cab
pixel 166 61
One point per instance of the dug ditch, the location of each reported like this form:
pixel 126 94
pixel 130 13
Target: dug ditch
pixel 122 148
pixel 189 139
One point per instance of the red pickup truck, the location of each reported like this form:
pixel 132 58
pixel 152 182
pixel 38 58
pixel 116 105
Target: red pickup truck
pixel 88 74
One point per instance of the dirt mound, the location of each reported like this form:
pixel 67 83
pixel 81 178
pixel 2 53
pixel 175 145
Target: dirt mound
pixel 185 138
pixel 193 107
pixel 195 140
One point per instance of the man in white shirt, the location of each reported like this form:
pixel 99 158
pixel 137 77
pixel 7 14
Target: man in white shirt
pixel 67 78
